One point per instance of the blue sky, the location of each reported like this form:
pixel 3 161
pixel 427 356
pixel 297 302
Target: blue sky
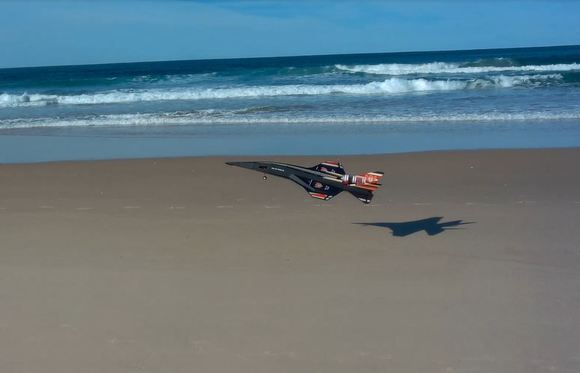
pixel 59 32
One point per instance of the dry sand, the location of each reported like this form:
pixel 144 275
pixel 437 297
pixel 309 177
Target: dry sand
pixel 188 265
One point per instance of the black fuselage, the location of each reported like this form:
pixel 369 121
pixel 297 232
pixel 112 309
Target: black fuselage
pixel 299 174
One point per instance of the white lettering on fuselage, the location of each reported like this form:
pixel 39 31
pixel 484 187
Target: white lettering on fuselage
pixel 277 169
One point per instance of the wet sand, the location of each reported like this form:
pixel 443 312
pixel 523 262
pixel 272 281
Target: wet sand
pixel 181 265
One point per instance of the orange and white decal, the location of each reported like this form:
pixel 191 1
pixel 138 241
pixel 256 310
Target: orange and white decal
pixel 368 181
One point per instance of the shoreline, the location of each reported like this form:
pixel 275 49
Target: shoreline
pixel 305 155
pixel 319 141
pixel 291 156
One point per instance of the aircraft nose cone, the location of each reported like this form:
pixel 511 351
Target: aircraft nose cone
pixel 249 165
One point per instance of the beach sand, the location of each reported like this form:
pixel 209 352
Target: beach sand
pixel 189 265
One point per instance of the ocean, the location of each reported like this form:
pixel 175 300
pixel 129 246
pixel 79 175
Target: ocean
pixel 335 104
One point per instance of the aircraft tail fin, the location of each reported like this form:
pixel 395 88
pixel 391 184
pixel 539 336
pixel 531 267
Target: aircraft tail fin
pixel 365 184
pixel 365 197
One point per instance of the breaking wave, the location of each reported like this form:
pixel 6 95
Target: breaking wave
pixel 388 86
pixel 210 117
pixel 450 68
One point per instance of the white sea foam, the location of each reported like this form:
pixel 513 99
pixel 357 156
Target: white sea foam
pixel 507 81
pixel 450 68
pixel 387 86
pixel 230 118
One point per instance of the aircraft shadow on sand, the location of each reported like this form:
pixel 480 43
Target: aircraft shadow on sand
pixel 432 226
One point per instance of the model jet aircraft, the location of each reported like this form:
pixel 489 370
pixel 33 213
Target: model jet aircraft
pixel 323 181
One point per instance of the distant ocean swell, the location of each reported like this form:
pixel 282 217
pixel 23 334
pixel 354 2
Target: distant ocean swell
pixel 475 87
pixel 387 86
pixel 450 68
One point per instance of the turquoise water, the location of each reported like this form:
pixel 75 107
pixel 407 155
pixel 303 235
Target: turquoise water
pixel 343 104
